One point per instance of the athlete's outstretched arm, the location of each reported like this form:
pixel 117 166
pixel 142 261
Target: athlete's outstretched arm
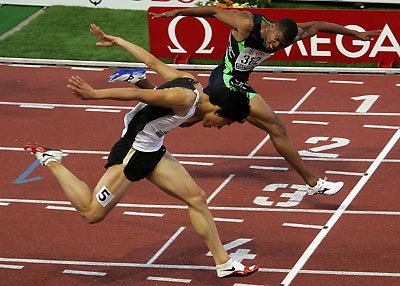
pixel 310 29
pixel 177 99
pixel 167 72
pixel 231 17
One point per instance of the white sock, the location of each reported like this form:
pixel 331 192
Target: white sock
pixel 226 265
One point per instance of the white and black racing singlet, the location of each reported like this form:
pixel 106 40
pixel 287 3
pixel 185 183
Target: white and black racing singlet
pixel 146 125
pixel 242 57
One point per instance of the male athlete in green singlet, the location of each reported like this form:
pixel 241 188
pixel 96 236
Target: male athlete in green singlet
pixel 253 38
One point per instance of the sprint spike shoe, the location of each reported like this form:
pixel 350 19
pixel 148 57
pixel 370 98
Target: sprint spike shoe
pixel 44 155
pixel 130 75
pixel 234 268
pixel 325 187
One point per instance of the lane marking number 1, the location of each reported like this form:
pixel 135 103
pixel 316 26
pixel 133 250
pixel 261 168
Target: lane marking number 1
pixel 369 100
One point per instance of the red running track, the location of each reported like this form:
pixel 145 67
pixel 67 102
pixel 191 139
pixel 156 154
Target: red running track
pixel 345 126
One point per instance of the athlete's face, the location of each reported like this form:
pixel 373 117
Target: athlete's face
pixel 212 119
pixel 274 39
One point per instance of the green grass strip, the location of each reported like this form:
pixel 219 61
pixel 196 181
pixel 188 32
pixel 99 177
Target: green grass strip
pixel 63 33
pixel 12 15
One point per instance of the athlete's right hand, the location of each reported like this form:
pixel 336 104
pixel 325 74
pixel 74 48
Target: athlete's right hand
pixel 168 14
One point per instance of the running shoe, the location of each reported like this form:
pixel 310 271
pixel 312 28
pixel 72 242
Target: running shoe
pixel 234 268
pixel 44 155
pixel 325 187
pixel 130 75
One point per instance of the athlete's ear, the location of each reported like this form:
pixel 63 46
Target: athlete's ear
pixel 217 110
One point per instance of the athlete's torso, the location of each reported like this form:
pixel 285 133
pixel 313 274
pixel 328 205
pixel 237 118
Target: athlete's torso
pixel 146 125
pixel 242 57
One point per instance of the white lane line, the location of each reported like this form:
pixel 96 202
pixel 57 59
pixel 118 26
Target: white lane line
pixel 381 126
pixel 345 173
pixel 350 273
pixel 60 208
pixel 37 105
pixel 372 212
pixel 196 163
pixel 346 82
pixel 102 110
pixel 106 264
pixel 186 267
pixel 339 212
pixel 302 100
pixel 203 74
pixel 87 273
pixel 213 156
pixel 398 84
pixel 143 214
pixel 65 105
pixel 310 122
pixel 4 204
pixel 87 69
pixel 166 279
pixel 269 168
pixel 184 162
pixel 180 207
pixel 216 192
pixel 369 114
pixel 340 113
pixel 280 78
pixel 25 66
pixel 300 225
pixel 6 266
pixel 166 245
pixel 228 219
pixel 258 147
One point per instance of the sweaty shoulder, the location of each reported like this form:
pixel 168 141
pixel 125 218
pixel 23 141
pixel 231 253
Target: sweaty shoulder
pixel 184 99
pixel 244 24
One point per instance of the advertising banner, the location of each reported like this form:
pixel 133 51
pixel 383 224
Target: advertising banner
pixel 120 4
pixel 183 38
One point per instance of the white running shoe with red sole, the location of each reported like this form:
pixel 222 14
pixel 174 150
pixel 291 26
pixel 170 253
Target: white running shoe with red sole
pixel 235 268
pixel 44 155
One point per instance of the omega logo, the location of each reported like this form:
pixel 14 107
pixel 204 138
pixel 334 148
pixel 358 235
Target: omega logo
pixel 94 2
pixel 178 49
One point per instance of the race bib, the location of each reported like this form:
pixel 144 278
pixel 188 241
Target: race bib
pixel 249 58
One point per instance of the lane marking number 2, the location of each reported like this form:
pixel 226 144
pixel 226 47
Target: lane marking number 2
pixel 316 151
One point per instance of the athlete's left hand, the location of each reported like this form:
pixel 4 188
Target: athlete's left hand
pixel 368 35
pixel 81 89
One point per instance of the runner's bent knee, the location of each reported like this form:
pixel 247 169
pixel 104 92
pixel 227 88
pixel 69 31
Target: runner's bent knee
pixel 198 199
pixel 103 201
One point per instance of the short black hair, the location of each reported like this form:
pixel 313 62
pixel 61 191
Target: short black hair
pixel 235 105
pixel 289 29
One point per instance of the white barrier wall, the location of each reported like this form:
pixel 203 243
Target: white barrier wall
pixel 142 4
pixel 115 4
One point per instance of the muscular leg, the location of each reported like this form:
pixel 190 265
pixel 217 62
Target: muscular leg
pixel 173 179
pixel 83 199
pixel 145 84
pixel 263 117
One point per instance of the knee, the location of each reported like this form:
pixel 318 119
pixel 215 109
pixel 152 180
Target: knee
pixel 198 200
